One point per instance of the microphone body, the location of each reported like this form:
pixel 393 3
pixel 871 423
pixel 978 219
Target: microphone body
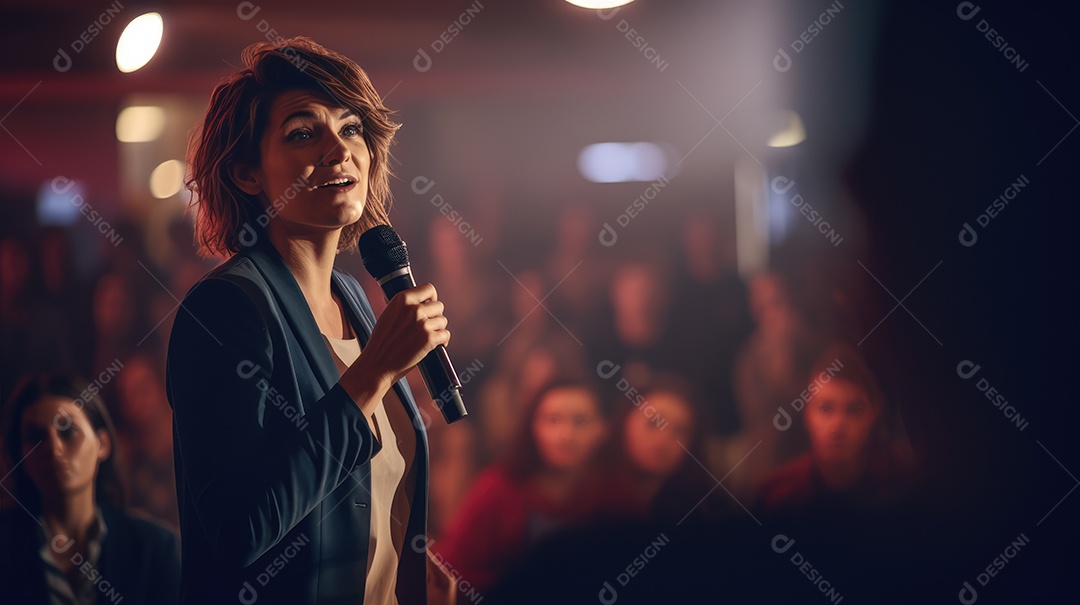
pixel 395 275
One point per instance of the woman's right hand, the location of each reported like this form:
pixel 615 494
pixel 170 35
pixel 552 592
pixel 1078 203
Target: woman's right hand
pixel 409 328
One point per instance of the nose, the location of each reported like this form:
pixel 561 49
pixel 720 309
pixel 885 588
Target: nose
pixel 56 445
pixel 337 153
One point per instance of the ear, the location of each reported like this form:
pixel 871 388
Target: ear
pixel 104 446
pixel 246 179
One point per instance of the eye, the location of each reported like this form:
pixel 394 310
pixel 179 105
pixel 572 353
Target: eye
pixel 353 129
pixel 300 134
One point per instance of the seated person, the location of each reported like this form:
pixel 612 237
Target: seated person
pixel 67 538
pixel 549 482
pixel 854 462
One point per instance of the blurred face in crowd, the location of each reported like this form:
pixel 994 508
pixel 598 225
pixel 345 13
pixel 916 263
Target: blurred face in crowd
pixel 61 449
pixel 313 169
pixel 141 396
pixel 14 266
pixel 769 302
pixel 654 432
pixel 639 299
pixel 568 427
pixel 839 419
pixel 114 304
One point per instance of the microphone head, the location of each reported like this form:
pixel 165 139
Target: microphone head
pixel 383 251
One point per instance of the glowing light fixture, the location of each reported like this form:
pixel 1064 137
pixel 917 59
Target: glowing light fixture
pixel 790 135
pixel 622 162
pixel 139 42
pixel 167 179
pixel 140 123
pixel 599 3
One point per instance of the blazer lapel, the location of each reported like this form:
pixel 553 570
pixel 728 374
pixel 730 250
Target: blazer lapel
pixel 296 311
pixel 353 310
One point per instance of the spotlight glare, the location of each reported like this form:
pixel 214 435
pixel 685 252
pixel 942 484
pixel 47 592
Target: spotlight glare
pixel 139 42
pixel 599 3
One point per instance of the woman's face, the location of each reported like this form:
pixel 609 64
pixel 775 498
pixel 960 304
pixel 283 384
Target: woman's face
pixel 568 427
pixel 839 419
pixel 60 447
pixel 314 163
pixel 114 305
pixel 657 434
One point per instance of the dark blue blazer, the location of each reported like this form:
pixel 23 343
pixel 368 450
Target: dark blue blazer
pixel 273 458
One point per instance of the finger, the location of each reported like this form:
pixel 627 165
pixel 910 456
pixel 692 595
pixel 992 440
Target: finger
pixel 421 293
pixel 431 309
pixel 435 324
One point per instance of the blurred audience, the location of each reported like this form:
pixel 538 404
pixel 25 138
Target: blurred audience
pixel 706 362
pixel 116 314
pixel 711 315
pixel 769 374
pixel 145 438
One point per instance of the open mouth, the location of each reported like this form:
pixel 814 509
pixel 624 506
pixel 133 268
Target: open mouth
pixel 344 181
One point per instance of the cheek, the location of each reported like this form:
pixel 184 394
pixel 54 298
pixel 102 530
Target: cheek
pixel 545 436
pixel 862 427
pixel 815 425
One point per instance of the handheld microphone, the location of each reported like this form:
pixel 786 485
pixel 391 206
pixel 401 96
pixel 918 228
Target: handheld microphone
pixel 387 260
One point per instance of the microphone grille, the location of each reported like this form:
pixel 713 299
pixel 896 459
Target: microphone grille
pixel 383 251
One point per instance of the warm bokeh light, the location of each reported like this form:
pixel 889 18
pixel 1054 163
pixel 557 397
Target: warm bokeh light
pixel 139 42
pixel 167 179
pixel 792 134
pixel 140 123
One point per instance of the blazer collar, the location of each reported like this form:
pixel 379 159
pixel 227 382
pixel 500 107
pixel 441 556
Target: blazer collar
pixel 297 312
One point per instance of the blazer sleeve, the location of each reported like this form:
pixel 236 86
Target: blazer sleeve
pixel 250 484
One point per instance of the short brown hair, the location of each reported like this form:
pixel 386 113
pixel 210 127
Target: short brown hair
pixel 232 131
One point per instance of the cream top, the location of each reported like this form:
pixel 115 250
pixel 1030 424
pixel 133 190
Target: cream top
pixel 390 493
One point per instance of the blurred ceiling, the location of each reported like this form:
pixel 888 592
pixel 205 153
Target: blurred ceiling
pixel 519 88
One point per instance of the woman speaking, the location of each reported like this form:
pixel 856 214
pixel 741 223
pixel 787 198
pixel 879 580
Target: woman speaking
pixel 301 459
